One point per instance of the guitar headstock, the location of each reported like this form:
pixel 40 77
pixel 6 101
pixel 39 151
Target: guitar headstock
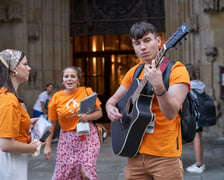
pixel 180 33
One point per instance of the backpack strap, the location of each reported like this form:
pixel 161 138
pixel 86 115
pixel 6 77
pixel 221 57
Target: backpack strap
pixel 166 74
pixel 138 70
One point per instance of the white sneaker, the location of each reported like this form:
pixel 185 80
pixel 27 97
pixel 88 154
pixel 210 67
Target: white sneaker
pixel 195 169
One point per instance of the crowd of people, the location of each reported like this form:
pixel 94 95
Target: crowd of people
pixel 159 155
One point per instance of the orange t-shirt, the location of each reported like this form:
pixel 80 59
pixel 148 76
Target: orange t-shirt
pixel 14 119
pixel 166 139
pixel 64 106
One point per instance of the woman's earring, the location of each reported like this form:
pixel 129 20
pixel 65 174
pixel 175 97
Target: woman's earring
pixel 15 73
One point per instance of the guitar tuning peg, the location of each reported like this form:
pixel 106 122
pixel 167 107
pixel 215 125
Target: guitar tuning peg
pixel 180 43
pixel 185 38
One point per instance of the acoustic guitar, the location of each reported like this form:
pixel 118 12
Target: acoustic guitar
pixel 135 107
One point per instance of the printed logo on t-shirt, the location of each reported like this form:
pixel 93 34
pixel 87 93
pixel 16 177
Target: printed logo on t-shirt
pixel 72 104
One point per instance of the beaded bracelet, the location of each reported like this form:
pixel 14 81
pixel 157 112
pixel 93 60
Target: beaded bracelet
pixel 161 93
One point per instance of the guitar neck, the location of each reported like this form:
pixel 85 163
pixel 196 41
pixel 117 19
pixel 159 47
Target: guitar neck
pixel 143 82
pixel 160 56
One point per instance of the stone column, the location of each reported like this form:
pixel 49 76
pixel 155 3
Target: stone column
pixel 48 44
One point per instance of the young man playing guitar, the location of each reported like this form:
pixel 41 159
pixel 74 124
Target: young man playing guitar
pixel 158 156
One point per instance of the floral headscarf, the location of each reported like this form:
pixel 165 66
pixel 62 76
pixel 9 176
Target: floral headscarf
pixel 10 58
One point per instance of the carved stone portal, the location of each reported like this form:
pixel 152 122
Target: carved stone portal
pixel 15 12
pixel 12 12
pixel 34 31
pixel 114 17
pixel 211 5
pixel 3 15
pixel 211 53
pixel 193 23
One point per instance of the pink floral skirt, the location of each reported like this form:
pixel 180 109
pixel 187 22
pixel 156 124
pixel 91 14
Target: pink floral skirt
pixel 74 154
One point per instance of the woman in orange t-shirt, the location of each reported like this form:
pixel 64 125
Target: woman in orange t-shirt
pixel 76 155
pixel 14 120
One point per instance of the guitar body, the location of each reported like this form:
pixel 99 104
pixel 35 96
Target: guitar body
pixel 127 133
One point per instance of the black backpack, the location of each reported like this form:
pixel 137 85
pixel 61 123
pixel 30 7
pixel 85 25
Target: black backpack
pixel 207 110
pixel 189 116
pixel 189 112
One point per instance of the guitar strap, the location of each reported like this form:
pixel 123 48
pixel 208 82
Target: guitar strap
pixel 164 64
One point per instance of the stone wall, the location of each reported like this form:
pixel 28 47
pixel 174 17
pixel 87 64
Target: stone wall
pixel 204 46
pixel 41 29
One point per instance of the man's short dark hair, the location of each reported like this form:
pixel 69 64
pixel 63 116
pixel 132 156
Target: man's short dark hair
pixel 140 29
